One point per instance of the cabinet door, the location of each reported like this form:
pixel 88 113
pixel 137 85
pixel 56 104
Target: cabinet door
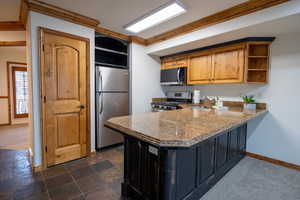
pixel 168 63
pixel 229 66
pixel 181 61
pixel 200 69
pixel 134 163
pixel 206 160
pixel 233 144
pixel 242 139
pixel 222 143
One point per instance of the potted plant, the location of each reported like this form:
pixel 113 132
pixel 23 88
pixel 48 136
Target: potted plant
pixel 249 103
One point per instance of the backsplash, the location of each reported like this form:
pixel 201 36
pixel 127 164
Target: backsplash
pixel 229 92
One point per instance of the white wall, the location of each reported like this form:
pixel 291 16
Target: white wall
pixel 36 20
pixel 277 134
pixel 145 79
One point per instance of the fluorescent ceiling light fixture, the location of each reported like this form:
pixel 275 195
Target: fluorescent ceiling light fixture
pixel 157 16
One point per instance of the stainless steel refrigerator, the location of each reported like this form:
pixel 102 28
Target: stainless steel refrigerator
pixel 112 100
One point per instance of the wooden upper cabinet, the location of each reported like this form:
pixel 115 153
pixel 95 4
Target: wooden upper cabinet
pixel 168 63
pixel 174 62
pixel 243 62
pixel 181 61
pixel 224 65
pixel 200 69
pixel 228 66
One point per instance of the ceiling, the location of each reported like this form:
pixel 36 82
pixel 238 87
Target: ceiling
pixel 114 14
pixel 9 10
pixel 285 25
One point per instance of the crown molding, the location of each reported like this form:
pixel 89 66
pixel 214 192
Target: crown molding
pixel 129 38
pixel 138 40
pixel 242 9
pixel 23 15
pixel 112 33
pixel 239 10
pixel 12 43
pixel 54 11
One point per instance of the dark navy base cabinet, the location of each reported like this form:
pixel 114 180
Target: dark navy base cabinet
pixel 157 173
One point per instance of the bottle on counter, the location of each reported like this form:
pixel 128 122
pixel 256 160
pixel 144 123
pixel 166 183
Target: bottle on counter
pixel 196 97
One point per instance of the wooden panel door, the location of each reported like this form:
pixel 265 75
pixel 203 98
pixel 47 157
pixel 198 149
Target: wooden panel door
pixel 228 66
pixel 64 80
pixel 200 69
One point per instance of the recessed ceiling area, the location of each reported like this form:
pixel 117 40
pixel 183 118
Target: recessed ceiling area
pixel 9 10
pixel 114 14
pixel 274 28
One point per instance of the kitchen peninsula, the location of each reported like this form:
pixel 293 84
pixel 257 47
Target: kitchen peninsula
pixel 180 154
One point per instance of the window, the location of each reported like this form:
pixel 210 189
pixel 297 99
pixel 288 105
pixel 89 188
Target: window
pixel 20 91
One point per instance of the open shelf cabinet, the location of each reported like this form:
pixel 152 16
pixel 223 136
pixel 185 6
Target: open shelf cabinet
pixel 257 62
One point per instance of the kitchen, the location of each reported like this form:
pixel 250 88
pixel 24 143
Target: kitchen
pixel 201 106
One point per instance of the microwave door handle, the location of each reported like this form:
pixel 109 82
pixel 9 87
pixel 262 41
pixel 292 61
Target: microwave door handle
pixel 178 75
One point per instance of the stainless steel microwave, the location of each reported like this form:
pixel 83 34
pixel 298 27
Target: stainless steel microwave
pixel 174 76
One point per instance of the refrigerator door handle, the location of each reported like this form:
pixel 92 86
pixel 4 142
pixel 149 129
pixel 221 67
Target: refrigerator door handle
pixel 101 110
pixel 100 98
pixel 100 76
pixel 100 87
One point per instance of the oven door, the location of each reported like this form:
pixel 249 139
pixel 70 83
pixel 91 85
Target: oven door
pixel 175 76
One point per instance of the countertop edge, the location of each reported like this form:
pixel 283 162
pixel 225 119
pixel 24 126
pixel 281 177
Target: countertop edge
pixel 178 144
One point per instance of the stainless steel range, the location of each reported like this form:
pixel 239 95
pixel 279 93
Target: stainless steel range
pixel 174 99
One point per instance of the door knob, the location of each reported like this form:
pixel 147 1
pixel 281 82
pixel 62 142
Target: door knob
pixel 81 106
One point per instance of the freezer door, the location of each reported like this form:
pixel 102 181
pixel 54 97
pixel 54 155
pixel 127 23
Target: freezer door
pixel 110 105
pixel 112 79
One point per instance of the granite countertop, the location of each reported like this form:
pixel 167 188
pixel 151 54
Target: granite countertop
pixel 181 128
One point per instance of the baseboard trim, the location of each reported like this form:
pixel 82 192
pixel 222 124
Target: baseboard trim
pixel 274 161
pixel 37 168
pixel 110 146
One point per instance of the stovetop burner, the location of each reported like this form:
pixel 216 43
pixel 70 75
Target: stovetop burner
pixel 172 102
pixel 166 103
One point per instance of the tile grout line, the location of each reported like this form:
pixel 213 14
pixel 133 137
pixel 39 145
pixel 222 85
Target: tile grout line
pixel 74 180
pixel 44 181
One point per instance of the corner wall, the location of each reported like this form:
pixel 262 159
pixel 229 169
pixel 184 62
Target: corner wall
pixel 36 20
pixel 145 79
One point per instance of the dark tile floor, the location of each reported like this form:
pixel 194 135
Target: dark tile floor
pixel 96 177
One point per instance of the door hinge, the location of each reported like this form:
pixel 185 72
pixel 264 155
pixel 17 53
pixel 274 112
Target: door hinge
pixel 43 47
pixel 44 99
pixel 46 149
